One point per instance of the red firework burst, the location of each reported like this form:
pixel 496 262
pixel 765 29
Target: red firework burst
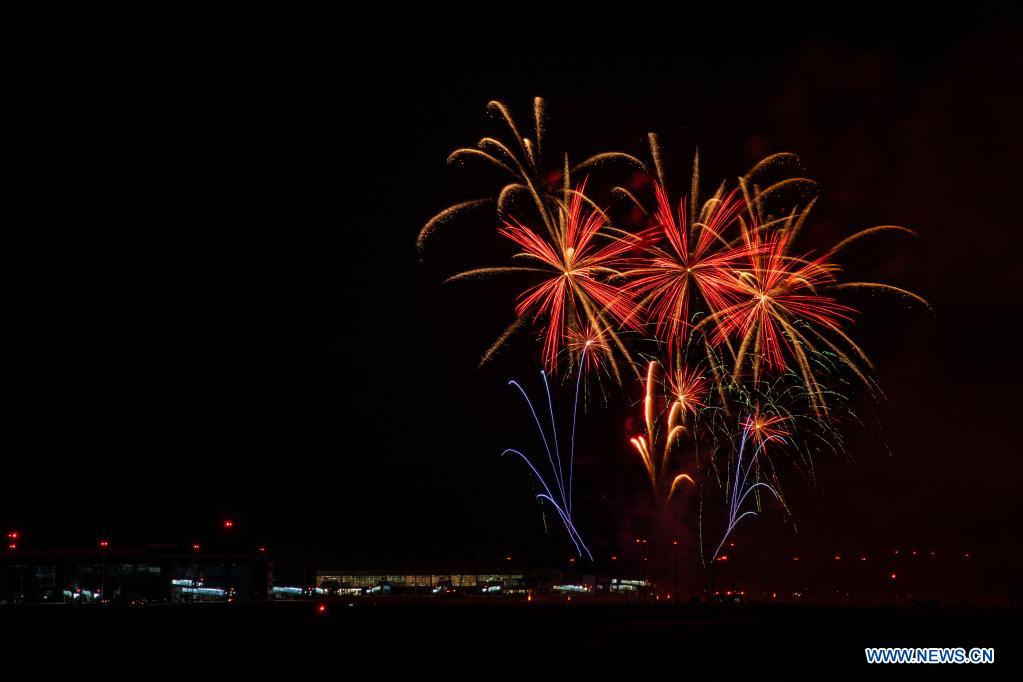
pixel 578 291
pixel 593 341
pixel 696 262
pixel 761 428
pixel 777 290
pixel 689 388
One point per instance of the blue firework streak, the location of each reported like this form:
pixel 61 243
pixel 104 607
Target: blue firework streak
pixel 741 486
pixel 559 495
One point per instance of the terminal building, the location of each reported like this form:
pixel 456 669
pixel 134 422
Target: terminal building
pixel 165 573
pixel 141 574
pixel 435 580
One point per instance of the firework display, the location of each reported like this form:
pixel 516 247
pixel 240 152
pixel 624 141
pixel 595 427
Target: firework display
pixel 743 333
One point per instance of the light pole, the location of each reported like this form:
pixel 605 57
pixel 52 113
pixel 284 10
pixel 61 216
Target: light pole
pixel 674 544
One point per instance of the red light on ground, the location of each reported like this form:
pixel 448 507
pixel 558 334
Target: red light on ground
pixel 195 547
pixel 13 545
pixel 262 549
pixel 795 558
pixel 104 543
pixel 914 552
pixel 13 535
pixel 774 595
pixel 571 560
pixel 892 576
pixel 322 608
pixel 896 552
pixel 228 523
pixel 674 542
pixel 863 558
pixel 966 555
pixel 838 557
pixel 508 558
pixel 723 557
pixel 731 544
pixel 614 557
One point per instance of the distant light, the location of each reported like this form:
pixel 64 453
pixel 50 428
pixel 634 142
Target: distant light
pixel 838 557
pixel 13 535
pixel 104 543
pixel 966 555
pixel 508 558
pixel 614 557
pixel 723 557
pixel 731 544
pixel 674 542
pixel 228 523
pixel 893 576
pixel 795 558
pixel 571 560
pixel 13 545
pixel 262 549
pixel 322 608
pixel 863 558
pixel 196 547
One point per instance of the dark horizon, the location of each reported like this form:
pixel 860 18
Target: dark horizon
pixel 215 308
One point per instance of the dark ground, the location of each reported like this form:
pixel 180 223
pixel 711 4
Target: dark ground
pixel 470 639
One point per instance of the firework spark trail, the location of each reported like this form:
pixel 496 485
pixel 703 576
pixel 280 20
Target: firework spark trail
pixel 657 471
pixel 563 502
pixel 740 491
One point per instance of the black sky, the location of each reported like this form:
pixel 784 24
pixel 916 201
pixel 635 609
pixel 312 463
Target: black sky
pixel 212 303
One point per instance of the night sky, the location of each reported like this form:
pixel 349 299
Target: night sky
pixel 213 305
